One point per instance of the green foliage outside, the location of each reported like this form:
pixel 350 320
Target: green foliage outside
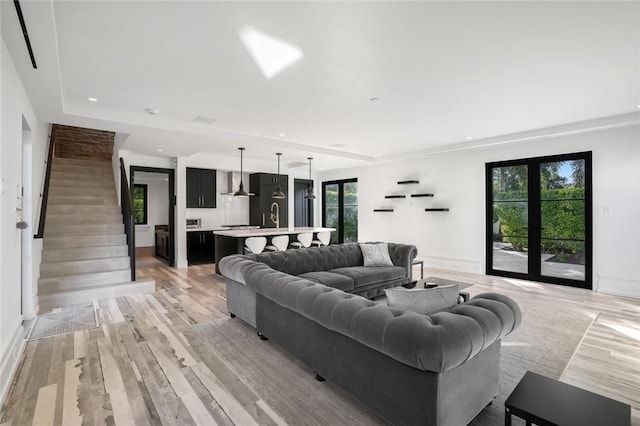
pixel 138 205
pixel 350 194
pixel 562 213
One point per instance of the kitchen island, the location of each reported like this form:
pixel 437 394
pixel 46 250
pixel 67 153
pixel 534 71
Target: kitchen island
pixel 229 242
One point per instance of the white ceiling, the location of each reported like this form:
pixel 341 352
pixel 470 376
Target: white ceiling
pixel 444 72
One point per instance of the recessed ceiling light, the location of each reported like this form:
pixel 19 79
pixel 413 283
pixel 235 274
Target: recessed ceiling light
pixel 638 106
pixel 152 111
pixel 378 154
pixel 469 138
pixel 159 149
pixel 282 134
pixel 93 99
pixel 374 99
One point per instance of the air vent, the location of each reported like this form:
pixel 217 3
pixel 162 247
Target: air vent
pixel 296 164
pixel 204 120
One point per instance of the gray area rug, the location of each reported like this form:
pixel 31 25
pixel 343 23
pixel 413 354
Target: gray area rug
pixel 289 387
pixel 64 320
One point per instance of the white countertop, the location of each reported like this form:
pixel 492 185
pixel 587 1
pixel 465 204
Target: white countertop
pixel 262 232
pixel 209 228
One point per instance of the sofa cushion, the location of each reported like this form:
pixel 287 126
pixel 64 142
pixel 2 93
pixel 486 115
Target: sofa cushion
pixel 375 254
pixel 341 282
pixel 424 301
pixel 365 275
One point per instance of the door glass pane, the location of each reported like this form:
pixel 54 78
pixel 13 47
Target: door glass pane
pixel 331 210
pixel 510 219
pixel 350 191
pixel 562 217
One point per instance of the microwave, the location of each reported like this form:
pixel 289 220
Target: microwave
pixel 194 223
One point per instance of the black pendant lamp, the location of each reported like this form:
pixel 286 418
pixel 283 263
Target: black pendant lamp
pixel 241 192
pixel 278 194
pixel 309 195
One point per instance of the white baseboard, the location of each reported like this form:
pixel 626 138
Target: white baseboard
pixel 10 357
pixel 617 286
pixel 473 266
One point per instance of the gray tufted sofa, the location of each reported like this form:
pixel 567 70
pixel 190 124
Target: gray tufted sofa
pixel 439 369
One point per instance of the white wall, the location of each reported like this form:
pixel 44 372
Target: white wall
pixel 157 208
pixel 455 239
pixel 15 110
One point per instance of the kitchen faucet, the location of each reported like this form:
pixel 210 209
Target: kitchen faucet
pixel 275 215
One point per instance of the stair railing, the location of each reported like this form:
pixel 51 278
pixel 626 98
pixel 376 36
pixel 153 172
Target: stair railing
pixel 128 219
pixel 44 195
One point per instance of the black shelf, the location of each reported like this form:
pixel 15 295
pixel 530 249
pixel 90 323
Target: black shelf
pixel 437 210
pixel 395 196
pixel 382 210
pixel 408 182
pixel 421 195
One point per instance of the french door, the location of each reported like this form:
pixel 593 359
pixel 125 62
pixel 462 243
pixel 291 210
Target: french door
pixel 539 219
pixel 340 209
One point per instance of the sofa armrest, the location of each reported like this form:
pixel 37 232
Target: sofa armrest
pixel 403 255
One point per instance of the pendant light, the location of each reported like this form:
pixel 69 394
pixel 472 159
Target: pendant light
pixel 278 194
pixel 241 192
pixel 309 195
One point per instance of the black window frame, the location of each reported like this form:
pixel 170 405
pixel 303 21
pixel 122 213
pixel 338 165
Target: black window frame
pixel 340 182
pixel 145 202
pixel 534 272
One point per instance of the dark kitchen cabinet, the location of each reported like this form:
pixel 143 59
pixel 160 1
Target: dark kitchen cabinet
pixel 263 185
pixel 200 247
pixel 201 188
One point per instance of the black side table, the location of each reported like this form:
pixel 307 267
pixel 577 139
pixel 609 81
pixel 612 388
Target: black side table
pixel 546 402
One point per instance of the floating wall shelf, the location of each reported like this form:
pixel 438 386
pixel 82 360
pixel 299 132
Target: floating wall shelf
pixel 408 182
pixel 382 210
pixel 437 210
pixel 395 196
pixel 421 195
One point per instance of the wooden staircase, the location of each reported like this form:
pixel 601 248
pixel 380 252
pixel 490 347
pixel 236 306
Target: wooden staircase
pixel 84 255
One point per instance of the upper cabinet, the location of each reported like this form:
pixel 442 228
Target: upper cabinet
pixel 262 211
pixel 201 188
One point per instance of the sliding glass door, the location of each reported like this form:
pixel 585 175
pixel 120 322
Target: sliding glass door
pixel 340 209
pixel 539 219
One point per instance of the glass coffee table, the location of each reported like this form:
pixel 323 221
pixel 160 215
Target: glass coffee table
pixel 431 282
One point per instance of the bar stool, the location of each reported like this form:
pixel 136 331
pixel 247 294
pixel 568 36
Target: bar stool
pixel 278 243
pixel 323 239
pixel 304 240
pixel 255 245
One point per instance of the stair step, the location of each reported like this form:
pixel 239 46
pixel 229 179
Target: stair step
pixel 79 162
pixel 94 192
pixel 71 198
pixel 81 183
pixel 98 166
pixel 90 172
pixel 62 230
pixel 76 241
pixel 83 219
pixel 80 253
pixel 79 281
pixel 61 209
pixel 85 266
pixel 53 299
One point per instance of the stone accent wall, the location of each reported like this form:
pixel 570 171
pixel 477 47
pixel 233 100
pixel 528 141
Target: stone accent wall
pixel 81 143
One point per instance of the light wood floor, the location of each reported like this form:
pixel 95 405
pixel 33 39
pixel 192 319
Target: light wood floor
pixel 147 362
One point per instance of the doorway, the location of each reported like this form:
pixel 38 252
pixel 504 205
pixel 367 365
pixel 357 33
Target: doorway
pixel 155 191
pixel 303 207
pixel 539 219
pixel 340 209
pixel 25 208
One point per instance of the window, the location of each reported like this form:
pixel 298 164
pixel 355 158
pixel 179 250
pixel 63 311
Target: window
pixel 140 203
pixel 340 209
